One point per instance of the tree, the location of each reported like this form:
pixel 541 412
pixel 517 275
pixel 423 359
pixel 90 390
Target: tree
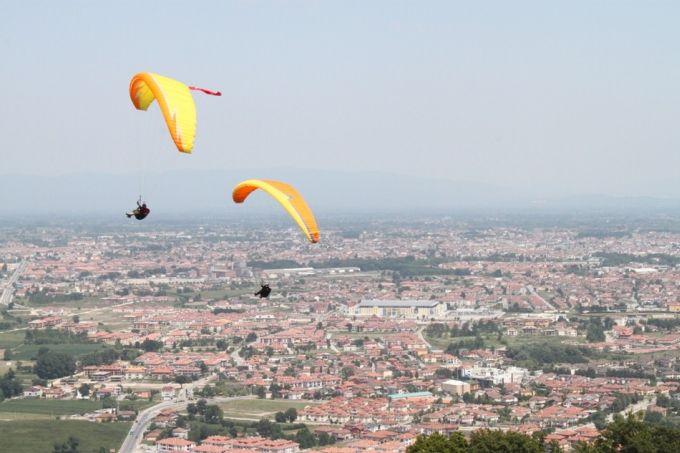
pixel 291 414
pixel 10 385
pixel 632 434
pixel 346 372
pixel 275 389
pixel 192 410
pixel 213 414
pixel 52 365
pixel 436 442
pixel 261 392
pixel 76 319
pixel 595 331
pixel 151 345
pixel 280 417
pixel 70 446
pixel 252 336
pixel 326 439
pixel 305 438
pixel 264 428
pixel 492 440
pixel 84 390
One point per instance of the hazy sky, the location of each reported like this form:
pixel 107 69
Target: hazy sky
pixel 562 97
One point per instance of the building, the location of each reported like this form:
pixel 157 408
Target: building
pixel 409 309
pixel 456 387
pixel 174 444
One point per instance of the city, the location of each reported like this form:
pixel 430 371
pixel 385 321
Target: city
pixel 383 332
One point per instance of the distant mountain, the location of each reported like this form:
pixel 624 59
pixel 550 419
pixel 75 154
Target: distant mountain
pixel 328 192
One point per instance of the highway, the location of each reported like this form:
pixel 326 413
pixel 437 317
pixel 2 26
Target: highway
pixel 135 436
pixel 8 290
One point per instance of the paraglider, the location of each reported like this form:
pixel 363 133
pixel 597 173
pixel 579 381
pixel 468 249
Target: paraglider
pixel 140 212
pixel 177 106
pixel 175 101
pixel 264 291
pixel 288 197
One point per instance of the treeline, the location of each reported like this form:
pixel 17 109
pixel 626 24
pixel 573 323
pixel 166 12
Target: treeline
pixel 665 324
pixel 43 296
pixel 204 420
pixel 612 259
pixel 108 356
pixel 52 365
pixel 602 234
pixel 629 434
pixel 10 386
pixel 407 266
pixel 537 355
pixel 54 336
pixel 274 264
pixel 456 347
pixel 438 330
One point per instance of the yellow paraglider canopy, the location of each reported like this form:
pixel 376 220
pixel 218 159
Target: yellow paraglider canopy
pixel 174 100
pixel 289 198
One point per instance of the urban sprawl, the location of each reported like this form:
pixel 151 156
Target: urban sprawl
pixel 378 334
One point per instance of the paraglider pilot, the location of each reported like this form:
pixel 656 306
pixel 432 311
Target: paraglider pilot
pixel 264 291
pixel 140 212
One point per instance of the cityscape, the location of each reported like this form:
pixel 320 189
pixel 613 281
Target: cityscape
pixel 384 332
pixel 294 226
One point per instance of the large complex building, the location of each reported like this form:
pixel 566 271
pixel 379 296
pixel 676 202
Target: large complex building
pixel 410 309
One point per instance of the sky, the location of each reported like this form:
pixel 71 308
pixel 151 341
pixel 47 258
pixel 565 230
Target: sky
pixel 561 98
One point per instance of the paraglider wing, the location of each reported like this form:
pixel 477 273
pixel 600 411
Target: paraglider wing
pixel 288 197
pixel 175 102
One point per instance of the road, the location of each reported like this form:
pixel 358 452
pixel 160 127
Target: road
pixel 634 408
pixel 135 436
pixel 548 305
pixel 8 291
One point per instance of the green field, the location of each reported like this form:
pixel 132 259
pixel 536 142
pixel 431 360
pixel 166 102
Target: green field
pixel 13 416
pixel 219 294
pixel 255 409
pixel 11 339
pixel 492 340
pixel 49 407
pixel 30 436
pixel 29 351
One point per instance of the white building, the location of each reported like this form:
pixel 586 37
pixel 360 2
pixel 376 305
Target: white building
pixel 409 309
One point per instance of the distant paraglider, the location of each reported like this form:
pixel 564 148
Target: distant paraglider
pixel 288 197
pixel 264 291
pixel 140 212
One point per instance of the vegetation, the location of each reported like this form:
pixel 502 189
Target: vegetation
pixel 108 355
pixel 632 434
pixel 625 434
pixel 30 436
pixel 51 365
pixel 53 336
pixel 537 355
pixel 595 331
pixel 49 407
pixel 612 259
pixel 10 385
pixel 664 324
pixel 480 441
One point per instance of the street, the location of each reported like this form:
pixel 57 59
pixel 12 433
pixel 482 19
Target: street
pixel 8 290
